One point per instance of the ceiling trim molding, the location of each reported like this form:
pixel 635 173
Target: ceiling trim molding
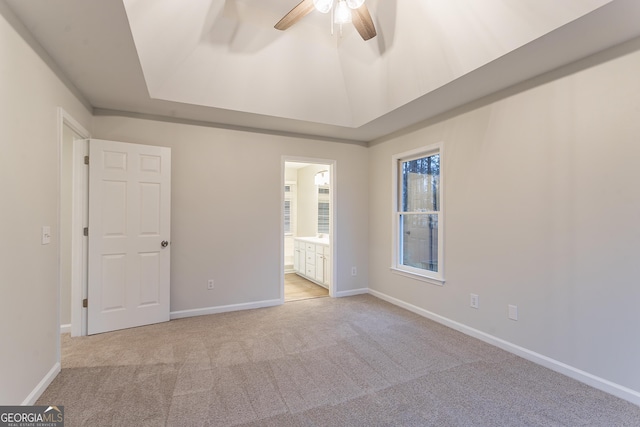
pixel 97 112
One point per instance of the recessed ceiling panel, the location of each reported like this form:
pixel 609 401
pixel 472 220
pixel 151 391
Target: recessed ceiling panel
pixel 226 53
pixel 223 63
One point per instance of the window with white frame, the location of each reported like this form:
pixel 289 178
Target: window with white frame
pixel 289 209
pixel 418 222
pixel 287 217
pixel 323 210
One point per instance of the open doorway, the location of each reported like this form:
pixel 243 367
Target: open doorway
pixel 308 206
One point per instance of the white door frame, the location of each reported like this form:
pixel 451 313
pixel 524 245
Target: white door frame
pixel 332 217
pixel 78 325
pixel 79 243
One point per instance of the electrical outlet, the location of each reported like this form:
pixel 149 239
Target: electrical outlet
pixel 475 301
pixel 513 312
pixel 210 284
pixel 354 271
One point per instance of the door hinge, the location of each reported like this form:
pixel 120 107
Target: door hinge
pixel 85 303
pixel 85 231
pixel 86 160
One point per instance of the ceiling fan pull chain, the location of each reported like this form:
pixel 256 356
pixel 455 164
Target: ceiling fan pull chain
pixel 332 15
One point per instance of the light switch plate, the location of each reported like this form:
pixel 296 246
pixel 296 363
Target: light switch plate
pixel 46 234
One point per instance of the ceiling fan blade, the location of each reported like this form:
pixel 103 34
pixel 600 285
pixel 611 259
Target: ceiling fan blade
pixel 361 19
pixel 297 13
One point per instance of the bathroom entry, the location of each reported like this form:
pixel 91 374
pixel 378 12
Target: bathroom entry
pixel 308 242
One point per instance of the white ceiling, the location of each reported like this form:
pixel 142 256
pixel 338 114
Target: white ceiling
pixel 222 62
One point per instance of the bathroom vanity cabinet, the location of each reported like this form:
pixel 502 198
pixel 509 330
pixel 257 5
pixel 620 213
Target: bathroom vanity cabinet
pixel 312 259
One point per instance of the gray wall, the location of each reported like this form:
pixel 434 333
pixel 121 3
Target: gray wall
pixel 542 211
pixel 29 96
pixel 226 213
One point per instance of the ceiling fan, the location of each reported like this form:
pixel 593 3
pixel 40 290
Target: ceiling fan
pixel 344 11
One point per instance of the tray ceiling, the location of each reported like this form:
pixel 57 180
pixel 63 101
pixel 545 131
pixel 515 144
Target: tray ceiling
pixel 222 62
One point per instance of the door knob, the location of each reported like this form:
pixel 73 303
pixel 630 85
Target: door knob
pixel 164 244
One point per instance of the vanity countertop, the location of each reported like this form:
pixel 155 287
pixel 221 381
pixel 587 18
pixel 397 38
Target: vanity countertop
pixel 316 240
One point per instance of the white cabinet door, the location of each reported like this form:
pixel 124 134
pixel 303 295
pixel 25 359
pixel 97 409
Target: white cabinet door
pixel 327 269
pixel 320 267
pixel 129 233
pixel 302 265
pixel 310 271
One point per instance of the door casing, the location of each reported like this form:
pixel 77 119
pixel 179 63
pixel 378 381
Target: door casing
pixel 79 197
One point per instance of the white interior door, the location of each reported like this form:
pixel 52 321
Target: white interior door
pixel 129 232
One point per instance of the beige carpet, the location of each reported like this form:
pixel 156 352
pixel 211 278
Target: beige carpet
pixel 354 361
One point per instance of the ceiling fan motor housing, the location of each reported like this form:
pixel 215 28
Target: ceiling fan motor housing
pixel 354 4
pixel 325 6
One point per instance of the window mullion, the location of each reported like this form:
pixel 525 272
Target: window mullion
pixel 419 213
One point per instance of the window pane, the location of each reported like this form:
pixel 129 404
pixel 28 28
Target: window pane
pixel 287 216
pixel 323 217
pixel 419 241
pixel 420 180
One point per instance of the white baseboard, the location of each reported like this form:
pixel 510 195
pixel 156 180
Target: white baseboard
pixel 607 386
pixel 42 386
pixel 65 329
pixel 223 309
pixel 351 293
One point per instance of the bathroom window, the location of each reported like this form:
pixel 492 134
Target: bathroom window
pixel 323 210
pixel 287 216
pixel 418 222
pixel 323 217
pixel 289 209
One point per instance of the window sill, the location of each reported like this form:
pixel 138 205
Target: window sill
pixel 420 277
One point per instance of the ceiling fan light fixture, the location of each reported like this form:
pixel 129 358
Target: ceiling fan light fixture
pixel 323 6
pixel 342 14
pixel 354 4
